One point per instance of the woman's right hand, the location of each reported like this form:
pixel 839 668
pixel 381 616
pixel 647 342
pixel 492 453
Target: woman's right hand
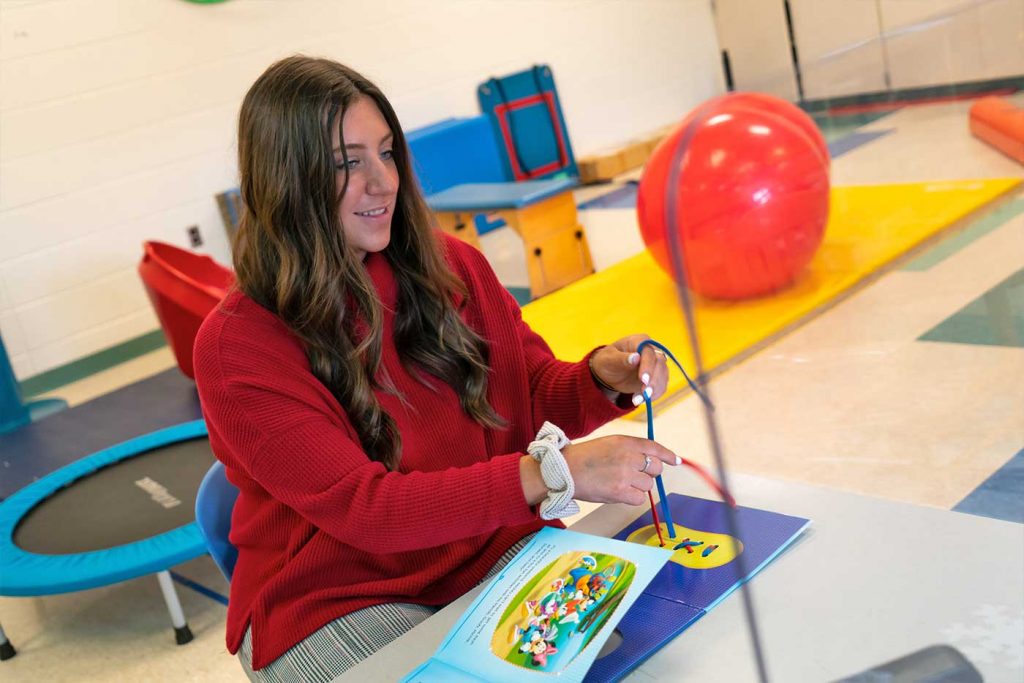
pixel 611 469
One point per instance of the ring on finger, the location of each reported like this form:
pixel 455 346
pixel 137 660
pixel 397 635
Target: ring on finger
pixel 647 463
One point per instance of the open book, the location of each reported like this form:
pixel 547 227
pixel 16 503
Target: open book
pixel 549 611
pixel 554 606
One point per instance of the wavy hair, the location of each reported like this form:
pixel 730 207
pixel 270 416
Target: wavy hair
pixel 291 255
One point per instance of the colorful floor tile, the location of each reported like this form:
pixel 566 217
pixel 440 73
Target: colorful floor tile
pixel 996 318
pixel 954 243
pixel 1001 496
pixel 852 141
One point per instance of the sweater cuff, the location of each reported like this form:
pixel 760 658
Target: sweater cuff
pixel 595 399
pixel 506 491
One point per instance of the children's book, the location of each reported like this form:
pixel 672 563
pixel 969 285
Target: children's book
pixel 707 565
pixel 552 609
pixel 549 611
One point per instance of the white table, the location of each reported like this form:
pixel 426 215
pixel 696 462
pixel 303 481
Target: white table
pixel 871 580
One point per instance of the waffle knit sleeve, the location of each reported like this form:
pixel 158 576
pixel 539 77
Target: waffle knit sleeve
pixel 315 469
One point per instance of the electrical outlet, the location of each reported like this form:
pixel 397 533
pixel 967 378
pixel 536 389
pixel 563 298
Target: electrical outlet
pixel 195 239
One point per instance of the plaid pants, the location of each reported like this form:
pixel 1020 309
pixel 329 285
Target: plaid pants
pixel 347 640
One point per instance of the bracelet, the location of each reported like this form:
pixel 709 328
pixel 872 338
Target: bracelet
pixel 597 378
pixel 546 449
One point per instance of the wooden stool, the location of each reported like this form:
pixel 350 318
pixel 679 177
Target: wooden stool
pixel 542 212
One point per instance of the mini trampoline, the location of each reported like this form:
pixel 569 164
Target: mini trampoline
pixel 120 513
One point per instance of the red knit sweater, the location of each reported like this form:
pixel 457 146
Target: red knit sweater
pixel 322 530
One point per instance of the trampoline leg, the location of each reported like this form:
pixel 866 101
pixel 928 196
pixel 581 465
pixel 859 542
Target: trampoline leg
pixel 182 633
pixel 6 649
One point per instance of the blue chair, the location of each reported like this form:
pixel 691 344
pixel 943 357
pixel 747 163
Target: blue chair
pixel 214 503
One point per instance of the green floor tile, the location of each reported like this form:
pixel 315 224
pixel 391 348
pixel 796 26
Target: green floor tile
pixel 834 127
pixel 974 231
pixel 996 318
pixel 522 294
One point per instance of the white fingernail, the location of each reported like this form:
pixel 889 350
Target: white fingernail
pixel 645 378
pixel 679 461
pixel 637 399
pixel 634 358
pixel 649 391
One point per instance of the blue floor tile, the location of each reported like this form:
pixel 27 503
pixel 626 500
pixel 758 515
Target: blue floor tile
pixel 620 198
pixel 852 141
pixel 1001 496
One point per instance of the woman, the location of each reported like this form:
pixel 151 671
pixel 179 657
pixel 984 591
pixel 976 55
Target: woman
pixel 372 391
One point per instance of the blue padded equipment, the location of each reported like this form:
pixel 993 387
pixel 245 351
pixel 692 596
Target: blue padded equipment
pixel 494 196
pixel 214 504
pixel 14 413
pixel 461 169
pixel 527 120
pixel 455 151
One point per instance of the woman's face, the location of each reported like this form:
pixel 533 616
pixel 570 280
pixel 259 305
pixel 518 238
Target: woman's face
pixel 368 204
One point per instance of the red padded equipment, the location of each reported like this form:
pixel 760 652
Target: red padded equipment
pixel 999 123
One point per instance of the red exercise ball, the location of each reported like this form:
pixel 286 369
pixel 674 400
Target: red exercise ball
pixel 787 110
pixel 752 197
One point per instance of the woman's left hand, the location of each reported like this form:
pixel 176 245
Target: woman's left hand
pixel 619 366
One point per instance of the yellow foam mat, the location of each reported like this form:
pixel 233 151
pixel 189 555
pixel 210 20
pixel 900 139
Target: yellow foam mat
pixel 869 226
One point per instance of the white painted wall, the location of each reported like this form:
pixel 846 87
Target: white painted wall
pixel 847 46
pixel 757 39
pixel 117 119
pixel 931 42
pixel 838 46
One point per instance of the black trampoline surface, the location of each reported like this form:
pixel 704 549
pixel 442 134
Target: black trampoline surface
pixel 130 500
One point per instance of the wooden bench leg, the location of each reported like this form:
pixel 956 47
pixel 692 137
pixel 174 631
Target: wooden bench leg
pixel 557 251
pixel 460 225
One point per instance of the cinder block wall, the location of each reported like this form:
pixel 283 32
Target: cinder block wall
pixel 117 119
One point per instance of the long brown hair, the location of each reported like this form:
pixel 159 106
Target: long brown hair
pixel 291 256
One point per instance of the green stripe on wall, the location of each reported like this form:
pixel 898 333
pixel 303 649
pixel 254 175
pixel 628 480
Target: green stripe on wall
pixel 83 367
pixel 974 231
pixel 912 94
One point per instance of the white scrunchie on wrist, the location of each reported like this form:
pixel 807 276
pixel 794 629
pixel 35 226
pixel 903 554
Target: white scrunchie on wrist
pixel 546 449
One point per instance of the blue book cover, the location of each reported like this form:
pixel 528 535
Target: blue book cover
pixel 549 611
pixel 702 571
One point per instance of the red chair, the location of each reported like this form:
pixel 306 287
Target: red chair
pixel 184 287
